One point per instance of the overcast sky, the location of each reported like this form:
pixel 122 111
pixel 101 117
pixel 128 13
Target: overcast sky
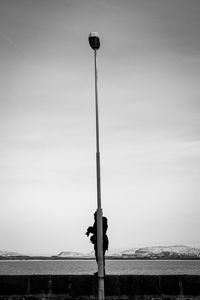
pixel 149 98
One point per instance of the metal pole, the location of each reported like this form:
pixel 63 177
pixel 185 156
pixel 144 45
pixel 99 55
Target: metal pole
pixel 100 257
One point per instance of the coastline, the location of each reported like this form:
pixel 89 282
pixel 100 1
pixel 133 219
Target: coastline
pixel 45 258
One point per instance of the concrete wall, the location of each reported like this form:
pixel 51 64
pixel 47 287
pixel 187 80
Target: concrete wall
pixel 135 287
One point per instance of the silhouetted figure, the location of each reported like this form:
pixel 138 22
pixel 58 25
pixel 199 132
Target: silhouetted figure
pixel 93 238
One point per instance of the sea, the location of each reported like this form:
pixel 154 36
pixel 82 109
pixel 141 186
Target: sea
pixel 113 267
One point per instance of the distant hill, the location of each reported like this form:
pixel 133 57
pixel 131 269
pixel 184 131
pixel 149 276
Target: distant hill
pixel 70 254
pixel 9 253
pixel 156 252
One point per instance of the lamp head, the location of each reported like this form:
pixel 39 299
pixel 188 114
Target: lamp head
pixel 94 40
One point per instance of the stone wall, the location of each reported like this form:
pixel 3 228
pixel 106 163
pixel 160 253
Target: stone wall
pixel 135 287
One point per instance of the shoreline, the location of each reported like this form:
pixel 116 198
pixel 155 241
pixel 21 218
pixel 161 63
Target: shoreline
pixel 91 259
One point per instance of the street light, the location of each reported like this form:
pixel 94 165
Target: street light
pixel 94 42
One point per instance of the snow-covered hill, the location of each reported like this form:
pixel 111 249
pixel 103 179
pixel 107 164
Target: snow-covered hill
pixel 156 252
pixel 163 251
pixel 70 254
pixel 145 252
pixel 9 253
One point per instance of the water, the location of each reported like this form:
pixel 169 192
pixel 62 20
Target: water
pixel 114 267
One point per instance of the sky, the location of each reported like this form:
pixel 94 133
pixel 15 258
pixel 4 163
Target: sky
pixel 149 111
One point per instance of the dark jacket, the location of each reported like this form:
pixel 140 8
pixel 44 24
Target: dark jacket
pixel 93 230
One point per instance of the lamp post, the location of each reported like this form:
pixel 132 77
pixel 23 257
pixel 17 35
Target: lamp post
pixel 94 42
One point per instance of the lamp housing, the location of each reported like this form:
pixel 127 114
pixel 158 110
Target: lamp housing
pixel 94 40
